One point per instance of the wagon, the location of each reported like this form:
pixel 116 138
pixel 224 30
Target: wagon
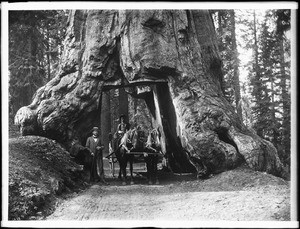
pixel 138 159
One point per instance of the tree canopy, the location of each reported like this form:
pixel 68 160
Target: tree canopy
pixel 265 97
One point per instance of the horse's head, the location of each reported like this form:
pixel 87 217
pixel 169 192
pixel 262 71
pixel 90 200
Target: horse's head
pixel 154 138
pixel 155 134
pixel 137 137
pixel 127 138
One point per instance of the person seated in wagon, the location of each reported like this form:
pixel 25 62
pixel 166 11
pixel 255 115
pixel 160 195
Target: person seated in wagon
pixel 122 127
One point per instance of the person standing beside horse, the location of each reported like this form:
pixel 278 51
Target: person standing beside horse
pixel 94 144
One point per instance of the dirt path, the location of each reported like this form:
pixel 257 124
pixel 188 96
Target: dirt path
pixel 234 195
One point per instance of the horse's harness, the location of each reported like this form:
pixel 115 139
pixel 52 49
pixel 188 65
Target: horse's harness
pixel 154 138
pixel 128 140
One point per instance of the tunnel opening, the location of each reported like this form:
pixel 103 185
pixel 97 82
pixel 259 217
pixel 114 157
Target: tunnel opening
pixel 163 116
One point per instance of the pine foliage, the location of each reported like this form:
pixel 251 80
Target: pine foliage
pixel 265 96
pixel 35 45
pixel 270 85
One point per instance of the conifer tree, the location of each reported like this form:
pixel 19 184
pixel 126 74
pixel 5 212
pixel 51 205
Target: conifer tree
pixel 269 84
pixel 35 45
pixel 225 23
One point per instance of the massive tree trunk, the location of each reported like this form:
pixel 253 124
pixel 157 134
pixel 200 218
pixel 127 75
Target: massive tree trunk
pixel 105 121
pixel 170 59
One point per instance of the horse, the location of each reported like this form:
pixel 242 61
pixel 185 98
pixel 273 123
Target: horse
pixel 82 156
pixel 138 139
pixel 153 145
pixel 123 157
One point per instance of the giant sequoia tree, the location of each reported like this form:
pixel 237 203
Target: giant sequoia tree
pixel 170 59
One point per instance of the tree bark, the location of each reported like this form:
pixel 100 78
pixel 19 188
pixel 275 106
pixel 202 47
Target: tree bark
pixel 286 125
pixel 175 50
pixel 257 87
pixel 105 121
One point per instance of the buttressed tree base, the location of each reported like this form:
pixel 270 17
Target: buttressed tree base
pixel 170 59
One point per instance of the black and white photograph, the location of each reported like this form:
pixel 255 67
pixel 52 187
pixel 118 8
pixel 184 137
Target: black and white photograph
pixel 149 114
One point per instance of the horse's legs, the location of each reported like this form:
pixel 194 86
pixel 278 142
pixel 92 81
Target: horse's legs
pixel 152 168
pixel 155 160
pixel 119 158
pixel 120 171
pixel 123 170
pixel 131 169
pixel 148 164
pixel 122 164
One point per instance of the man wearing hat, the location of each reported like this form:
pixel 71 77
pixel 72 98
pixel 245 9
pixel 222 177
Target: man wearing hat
pixel 94 144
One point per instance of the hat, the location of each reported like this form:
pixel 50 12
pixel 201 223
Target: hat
pixel 95 128
pixel 122 116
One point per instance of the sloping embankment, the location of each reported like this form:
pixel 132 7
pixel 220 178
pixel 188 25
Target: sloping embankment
pixel 39 171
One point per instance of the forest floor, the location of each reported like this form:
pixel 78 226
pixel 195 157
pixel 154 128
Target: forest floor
pixel 44 184
pixel 237 195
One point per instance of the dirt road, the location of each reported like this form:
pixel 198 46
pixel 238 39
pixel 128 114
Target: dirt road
pixel 236 195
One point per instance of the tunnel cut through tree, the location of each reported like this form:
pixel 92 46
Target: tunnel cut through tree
pixel 173 49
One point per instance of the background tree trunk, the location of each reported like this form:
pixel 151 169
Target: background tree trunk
pixel 236 80
pixel 176 50
pixel 286 124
